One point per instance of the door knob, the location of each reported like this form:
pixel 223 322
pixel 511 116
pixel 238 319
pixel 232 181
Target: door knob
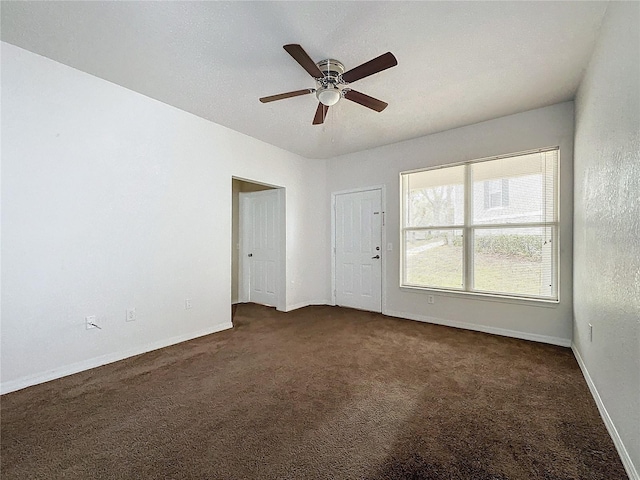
pixel 377 256
pixel 250 255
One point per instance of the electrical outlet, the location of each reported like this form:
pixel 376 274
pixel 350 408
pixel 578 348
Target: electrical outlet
pixel 131 314
pixel 590 333
pixel 431 300
pixel 90 322
pixel 187 304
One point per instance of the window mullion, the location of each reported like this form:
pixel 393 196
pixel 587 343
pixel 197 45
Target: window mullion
pixel 435 227
pixel 467 260
pixel 501 226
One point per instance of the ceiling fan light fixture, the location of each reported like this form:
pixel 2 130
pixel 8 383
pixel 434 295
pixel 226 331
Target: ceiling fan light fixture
pixel 328 96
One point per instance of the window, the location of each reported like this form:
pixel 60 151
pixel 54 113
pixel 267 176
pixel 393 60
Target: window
pixel 489 226
pixel 496 193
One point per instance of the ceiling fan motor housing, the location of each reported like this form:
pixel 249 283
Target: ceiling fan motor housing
pixel 330 67
pixel 328 92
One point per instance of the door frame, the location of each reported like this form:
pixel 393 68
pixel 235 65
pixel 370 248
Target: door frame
pixel 383 240
pixel 244 274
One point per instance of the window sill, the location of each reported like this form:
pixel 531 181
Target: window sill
pixel 488 297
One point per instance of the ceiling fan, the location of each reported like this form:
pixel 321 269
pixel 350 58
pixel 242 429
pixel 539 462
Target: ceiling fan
pixel 332 80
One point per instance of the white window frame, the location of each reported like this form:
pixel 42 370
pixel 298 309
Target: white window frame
pixel 468 229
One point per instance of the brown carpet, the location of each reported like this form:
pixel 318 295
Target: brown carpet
pixel 319 393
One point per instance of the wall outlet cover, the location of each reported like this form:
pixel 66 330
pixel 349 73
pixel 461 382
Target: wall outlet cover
pixel 90 322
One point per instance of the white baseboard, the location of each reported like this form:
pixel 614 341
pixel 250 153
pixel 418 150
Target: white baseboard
pixel 613 432
pixel 30 380
pixel 291 308
pixel 296 306
pixel 562 342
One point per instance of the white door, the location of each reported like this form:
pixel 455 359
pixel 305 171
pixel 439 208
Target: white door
pixel 260 246
pixel 358 242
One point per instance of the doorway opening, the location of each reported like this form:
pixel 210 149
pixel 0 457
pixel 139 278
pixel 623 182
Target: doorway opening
pixel 258 244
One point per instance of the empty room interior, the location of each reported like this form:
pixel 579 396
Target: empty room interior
pixel 320 240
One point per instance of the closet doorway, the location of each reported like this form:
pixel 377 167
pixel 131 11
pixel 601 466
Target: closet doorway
pixel 258 243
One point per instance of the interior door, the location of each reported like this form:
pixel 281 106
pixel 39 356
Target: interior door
pixel 358 254
pixel 261 233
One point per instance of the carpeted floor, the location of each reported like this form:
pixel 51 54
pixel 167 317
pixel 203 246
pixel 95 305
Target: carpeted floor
pixel 319 393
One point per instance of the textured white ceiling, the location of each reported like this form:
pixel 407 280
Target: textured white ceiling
pixel 458 62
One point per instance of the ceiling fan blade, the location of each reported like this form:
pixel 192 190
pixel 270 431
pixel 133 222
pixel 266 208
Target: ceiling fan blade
pixel 376 65
pixel 300 56
pixel 366 100
pixel 321 113
pixel 281 96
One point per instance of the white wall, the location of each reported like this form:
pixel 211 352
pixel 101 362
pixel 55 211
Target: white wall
pixel 112 200
pixel 538 128
pixel 607 226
